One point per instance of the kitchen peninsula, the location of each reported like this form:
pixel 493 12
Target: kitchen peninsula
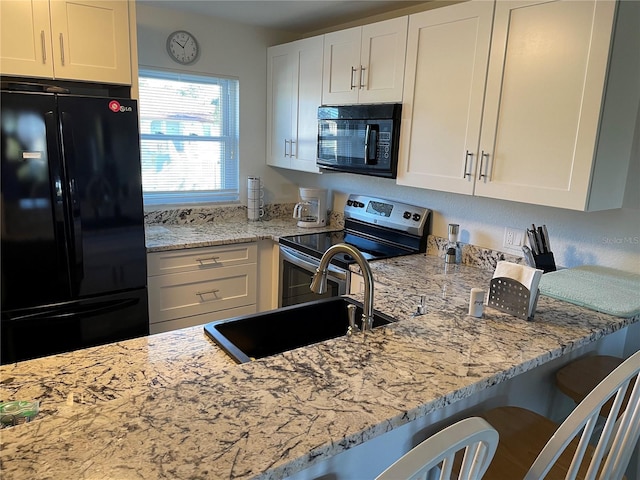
pixel 175 406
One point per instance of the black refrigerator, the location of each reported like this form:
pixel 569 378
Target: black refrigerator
pixel 73 251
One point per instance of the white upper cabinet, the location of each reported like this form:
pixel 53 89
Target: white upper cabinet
pixel 72 40
pixel 294 93
pixel 560 102
pixel 365 64
pixel 447 57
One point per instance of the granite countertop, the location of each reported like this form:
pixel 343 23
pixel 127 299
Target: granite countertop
pixel 173 237
pixel 173 405
pixel 191 228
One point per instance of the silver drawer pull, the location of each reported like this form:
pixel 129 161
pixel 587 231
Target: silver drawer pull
pixel 211 259
pixel 208 292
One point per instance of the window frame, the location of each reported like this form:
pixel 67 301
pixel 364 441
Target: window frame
pixel 230 191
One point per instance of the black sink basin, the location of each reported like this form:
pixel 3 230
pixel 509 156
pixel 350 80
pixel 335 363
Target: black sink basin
pixel 263 334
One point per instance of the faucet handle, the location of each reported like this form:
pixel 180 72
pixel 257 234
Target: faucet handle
pixel 351 313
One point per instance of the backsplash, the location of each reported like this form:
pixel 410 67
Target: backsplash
pixel 437 246
pixel 484 258
pixel 201 215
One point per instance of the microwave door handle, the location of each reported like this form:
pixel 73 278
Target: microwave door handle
pixel 371 144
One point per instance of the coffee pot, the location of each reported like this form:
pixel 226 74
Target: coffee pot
pixel 311 211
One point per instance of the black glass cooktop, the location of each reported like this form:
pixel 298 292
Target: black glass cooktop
pixel 315 244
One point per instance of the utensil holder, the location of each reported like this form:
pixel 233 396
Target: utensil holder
pixel 510 296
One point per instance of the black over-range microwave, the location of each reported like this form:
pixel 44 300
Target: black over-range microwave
pixel 360 139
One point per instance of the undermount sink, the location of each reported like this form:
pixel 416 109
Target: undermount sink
pixel 260 335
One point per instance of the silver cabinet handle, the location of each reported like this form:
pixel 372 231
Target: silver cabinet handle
pixel 353 82
pixel 204 259
pixel 285 148
pixel 482 157
pixel 62 49
pixel 466 164
pixel 212 292
pixel 362 69
pixel 291 143
pixel 44 47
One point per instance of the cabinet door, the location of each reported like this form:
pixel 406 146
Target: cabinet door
pixel 200 259
pixel 91 40
pixel 543 100
pixel 193 293
pixel 25 38
pixel 447 57
pixel 281 81
pixel 382 61
pixel 309 91
pixel 202 319
pixel 341 66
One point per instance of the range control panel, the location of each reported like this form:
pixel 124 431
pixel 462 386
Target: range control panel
pixel 387 213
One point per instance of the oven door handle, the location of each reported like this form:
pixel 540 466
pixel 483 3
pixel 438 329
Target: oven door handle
pixel 304 261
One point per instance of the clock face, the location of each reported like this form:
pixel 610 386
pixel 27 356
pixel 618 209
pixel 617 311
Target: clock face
pixel 182 47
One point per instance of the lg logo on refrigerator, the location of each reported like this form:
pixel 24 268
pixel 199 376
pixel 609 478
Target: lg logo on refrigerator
pixel 115 106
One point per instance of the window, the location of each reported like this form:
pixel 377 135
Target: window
pixel 189 138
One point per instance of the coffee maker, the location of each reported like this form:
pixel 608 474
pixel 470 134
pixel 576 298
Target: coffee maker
pixel 311 210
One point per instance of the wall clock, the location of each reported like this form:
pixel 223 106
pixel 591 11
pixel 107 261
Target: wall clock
pixel 183 47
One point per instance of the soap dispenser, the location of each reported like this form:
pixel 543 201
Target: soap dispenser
pixel 453 249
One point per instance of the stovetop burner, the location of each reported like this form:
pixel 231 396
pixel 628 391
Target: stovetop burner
pixel 378 228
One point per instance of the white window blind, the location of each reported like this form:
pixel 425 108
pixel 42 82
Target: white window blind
pixel 189 138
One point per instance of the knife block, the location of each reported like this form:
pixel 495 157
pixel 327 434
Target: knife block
pixel 545 262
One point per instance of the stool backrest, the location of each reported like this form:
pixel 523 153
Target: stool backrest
pixel 436 454
pixel 619 435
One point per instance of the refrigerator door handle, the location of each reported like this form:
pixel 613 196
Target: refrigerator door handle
pixel 57 178
pixel 90 310
pixel 75 217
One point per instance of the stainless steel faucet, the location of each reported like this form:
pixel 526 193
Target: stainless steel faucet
pixel 319 281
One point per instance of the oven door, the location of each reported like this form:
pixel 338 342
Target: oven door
pixel 296 270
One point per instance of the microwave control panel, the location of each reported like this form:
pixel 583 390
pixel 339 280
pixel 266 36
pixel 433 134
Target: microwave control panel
pixel 384 145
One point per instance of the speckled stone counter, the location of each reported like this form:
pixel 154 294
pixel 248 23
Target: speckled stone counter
pixel 174 237
pixel 191 228
pixel 174 406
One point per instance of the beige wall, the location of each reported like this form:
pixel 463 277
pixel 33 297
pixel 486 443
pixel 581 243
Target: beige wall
pixel 229 50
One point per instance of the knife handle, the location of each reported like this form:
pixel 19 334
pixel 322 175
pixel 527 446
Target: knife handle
pixel 528 256
pixel 538 237
pixel 545 235
pixel 533 242
pixel 543 244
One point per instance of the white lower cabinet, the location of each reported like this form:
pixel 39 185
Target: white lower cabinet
pixel 178 323
pixel 195 286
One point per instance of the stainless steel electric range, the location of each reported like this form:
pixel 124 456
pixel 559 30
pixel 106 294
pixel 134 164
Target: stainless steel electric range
pixel 378 228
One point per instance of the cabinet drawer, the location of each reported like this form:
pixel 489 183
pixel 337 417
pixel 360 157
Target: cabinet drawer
pixel 169 325
pixel 195 259
pixel 193 293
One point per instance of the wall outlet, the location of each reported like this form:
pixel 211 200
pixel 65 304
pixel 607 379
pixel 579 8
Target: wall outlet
pixel 513 239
